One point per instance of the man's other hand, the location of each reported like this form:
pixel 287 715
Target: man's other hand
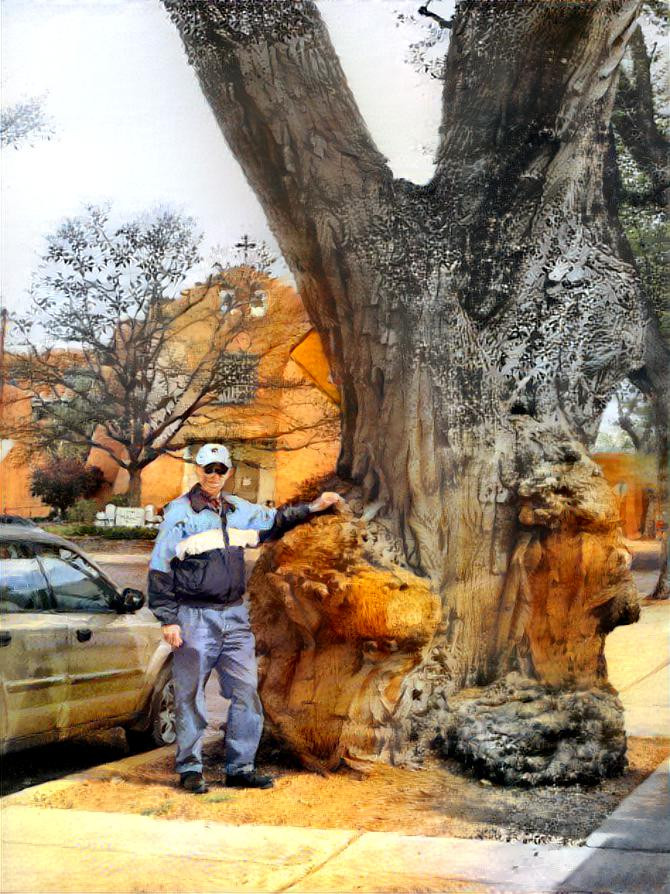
pixel 328 498
pixel 172 635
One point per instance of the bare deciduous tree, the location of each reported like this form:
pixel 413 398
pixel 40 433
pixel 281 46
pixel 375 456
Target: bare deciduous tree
pixel 108 351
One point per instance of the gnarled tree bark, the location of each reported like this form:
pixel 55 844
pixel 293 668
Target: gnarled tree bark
pixel 478 325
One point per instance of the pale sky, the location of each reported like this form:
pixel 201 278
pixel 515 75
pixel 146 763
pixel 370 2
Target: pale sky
pixel 133 129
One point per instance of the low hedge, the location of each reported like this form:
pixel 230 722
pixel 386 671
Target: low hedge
pixel 114 533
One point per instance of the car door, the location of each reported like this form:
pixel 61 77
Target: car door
pixel 108 652
pixel 34 683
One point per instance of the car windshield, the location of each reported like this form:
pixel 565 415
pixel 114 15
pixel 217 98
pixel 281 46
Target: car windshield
pixel 76 585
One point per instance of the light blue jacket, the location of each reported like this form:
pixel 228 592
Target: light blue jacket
pixel 192 531
pixel 181 520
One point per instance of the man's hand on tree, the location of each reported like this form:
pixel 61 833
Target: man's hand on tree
pixel 172 635
pixel 325 501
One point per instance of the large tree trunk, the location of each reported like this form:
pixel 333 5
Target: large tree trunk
pixel 478 326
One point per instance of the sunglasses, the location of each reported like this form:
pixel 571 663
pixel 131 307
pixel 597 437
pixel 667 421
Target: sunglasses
pixel 215 469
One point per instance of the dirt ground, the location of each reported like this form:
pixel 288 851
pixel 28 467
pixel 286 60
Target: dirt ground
pixel 438 800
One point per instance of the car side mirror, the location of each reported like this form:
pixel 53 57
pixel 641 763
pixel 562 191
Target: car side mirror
pixel 130 600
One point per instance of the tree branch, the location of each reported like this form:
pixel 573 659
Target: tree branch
pixel 254 62
pixel 526 105
pixel 636 124
pixel 626 425
pixel 443 23
pixel 516 82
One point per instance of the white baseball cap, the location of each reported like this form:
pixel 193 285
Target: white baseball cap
pixel 213 453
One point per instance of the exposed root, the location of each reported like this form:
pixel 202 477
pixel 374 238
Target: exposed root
pixel 577 572
pixel 519 732
pixel 338 629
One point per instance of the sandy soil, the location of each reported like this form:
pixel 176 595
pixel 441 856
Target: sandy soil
pixel 438 800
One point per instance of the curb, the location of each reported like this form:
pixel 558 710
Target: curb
pixel 101 771
pixel 120 558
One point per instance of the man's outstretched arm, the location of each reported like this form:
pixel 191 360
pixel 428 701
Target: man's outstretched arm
pixel 287 517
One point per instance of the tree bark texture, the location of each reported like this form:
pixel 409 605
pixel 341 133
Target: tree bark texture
pixel 478 326
pixel 338 628
pixel 135 486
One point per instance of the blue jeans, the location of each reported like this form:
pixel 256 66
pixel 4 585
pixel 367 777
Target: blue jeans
pixel 220 640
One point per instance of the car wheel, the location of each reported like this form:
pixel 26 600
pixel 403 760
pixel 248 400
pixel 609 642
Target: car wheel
pixel 161 728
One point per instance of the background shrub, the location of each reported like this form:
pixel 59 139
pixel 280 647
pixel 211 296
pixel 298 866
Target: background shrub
pixel 84 530
pixel 119 500
pixel 83 511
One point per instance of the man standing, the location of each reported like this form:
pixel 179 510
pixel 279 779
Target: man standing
pixel 196 583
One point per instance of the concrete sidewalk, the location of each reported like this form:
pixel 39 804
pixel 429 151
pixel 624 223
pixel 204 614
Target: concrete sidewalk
pixel 47 850
pixel 81 851
pixel 638 663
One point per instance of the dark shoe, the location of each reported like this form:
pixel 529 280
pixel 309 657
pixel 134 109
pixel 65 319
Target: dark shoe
pixel 193 782
pixel 249 780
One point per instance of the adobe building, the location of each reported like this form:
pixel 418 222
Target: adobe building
pixel 19 408
pixel 279 415
pixel 15 458
pixel 634 479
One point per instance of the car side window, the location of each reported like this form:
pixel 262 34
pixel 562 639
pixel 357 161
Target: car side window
pixel 76 585
pixel 23 587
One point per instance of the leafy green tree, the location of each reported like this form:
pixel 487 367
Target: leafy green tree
pixel 634 427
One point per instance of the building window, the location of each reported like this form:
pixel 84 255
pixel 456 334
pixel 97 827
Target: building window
pixel 240 373
pixel 226 299
pixel 258 306
pixel 237 394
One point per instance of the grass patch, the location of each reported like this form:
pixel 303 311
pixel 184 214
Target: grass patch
pixel 159 810
pixel 218 797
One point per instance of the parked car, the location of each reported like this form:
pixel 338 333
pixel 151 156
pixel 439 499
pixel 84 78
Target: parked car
pixel 76 653
pixel 17 520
